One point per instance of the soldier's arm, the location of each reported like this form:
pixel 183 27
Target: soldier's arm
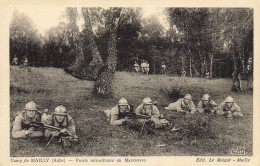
pixel 114 119
pixel 155 112
pixel 200 109
pixel 220 109
pixel 138 110
pixel 17 131
pixel 71 129
pixel 192 108
pixel 237 108
pixel 178 106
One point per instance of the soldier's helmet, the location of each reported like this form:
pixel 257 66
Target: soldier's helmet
pixel 147 101
pixel 122 101
pixel 229 99
pixel 206 97
pixel 31 106
pixel 60 110
pixel 188 96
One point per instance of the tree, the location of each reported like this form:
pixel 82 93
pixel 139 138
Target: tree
pixel 25 41
pixel 103 84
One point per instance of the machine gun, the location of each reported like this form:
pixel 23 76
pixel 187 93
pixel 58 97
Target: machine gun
pixel 133 115
pixel 42 126
pixel 210 107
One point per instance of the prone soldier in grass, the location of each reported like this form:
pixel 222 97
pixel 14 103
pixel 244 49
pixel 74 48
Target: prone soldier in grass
pixel 229 108
pixel 207 105
pixel 152 112
pixel 184 105
pixel 21 125
pixel 64 121
pixel 116 115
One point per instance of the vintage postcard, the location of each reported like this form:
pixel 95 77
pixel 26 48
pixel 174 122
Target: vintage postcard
pixel 129 83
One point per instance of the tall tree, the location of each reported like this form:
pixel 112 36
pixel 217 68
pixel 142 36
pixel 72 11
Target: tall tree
pixel 104 82
pixel 25 41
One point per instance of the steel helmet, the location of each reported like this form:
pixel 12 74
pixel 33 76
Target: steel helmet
pixel 229 99
pixel 206 97
pixel 122 101
pixel 60 110
pixel 31 106
pixel 187 96
pixel 147 101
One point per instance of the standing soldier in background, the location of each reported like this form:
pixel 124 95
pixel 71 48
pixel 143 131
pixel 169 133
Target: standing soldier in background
pixel 148 108
pixel 163 68
pixel 21 126
pixel 62 120
pixel 183 73
pixel 207 74
pixel 25 64
pixel 143 64
pixel 184 105
pixel 207 105
pixel 15 61
pixel 136 67
pixel 146 68
pixel 116 115
pixel 229 108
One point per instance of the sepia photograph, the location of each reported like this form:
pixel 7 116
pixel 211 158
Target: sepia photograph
pixel 132 82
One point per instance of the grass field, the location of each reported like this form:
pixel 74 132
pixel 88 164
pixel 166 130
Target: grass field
pixel 50 87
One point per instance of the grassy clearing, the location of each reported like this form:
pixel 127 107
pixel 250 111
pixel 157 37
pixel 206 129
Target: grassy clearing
pixel 50 87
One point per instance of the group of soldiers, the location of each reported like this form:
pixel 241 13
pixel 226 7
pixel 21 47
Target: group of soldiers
pixel 149 111
pixel 58 126
pixel 15 62
pixel 145 67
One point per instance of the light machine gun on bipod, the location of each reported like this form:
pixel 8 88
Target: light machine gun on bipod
pixel 63 135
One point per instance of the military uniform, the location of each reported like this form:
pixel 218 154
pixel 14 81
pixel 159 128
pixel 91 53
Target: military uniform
pixel 15 61
pixel 163 68
pixel 146 68
pixel 25 62
pixel 180 106
pixel 233 111
pixel 143 65
pixel 67 123
pixel 136 67
pixel 207 74
pixel 21 125
pixel 115 116
pixel 183 73
pixel 153 113
pixel 210 107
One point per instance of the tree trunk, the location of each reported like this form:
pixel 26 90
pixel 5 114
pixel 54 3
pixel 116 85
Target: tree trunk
pixel 104 82
pixel 211 65
pixel 82 69
pixel 202 62
pixel 190 67
pixel 96 64
pixel 236 76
